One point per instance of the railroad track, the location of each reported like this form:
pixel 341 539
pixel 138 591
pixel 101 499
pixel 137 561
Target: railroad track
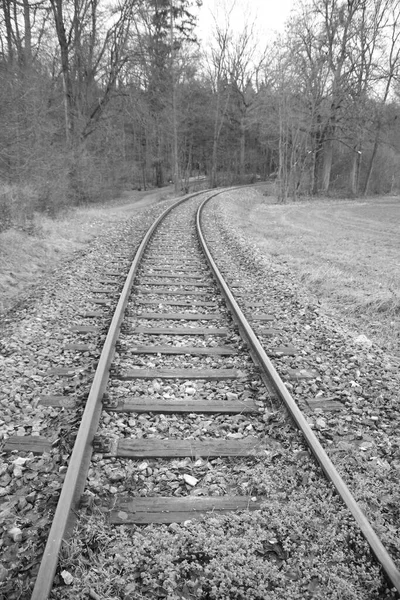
pixel 181 344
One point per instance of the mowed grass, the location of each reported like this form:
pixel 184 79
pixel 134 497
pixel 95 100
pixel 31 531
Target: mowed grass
pixel 25 258
pixel 346 252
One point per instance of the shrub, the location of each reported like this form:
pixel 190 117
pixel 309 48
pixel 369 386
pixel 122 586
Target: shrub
pixel 18 204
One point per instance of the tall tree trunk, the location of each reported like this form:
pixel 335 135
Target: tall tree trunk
pixel 214 159
pixel 9 31
pixel 65 69
pixel 371 162
pixel 326 166
pixel 355 171
pixel 317 162
pixel 28 36
pixel 176 177
pixel 282 171
pixel 158 162
pixel 220 114
pixel 242 144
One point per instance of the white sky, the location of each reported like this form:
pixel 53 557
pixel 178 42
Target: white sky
pixel 268 15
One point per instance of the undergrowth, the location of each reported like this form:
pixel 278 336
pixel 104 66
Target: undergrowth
pixel 301 545
pixel 294 548
pixel 18 204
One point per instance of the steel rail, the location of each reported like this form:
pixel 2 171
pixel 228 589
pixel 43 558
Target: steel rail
pixel 79 462
pixel 380 552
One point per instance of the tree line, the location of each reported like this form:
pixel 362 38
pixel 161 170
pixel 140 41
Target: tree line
pixel 97 96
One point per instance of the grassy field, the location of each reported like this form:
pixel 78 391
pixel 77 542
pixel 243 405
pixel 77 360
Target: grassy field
pixel 25 258
pixel 347 252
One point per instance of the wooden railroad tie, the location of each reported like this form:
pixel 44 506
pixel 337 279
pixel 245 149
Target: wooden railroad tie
pixel 324 404
pixel 154 448
pixel 261 317
pixel 169 292
pixel 86 328
pixel 188 271
pixel 294 374
pixel 101 301
pixel 171 282
pixel 171 405
pixel 175 267
pixel 167 261
pixel 103 290
pixel 174 302
pixel 189 374
pixel 179 316
pixel 63 371
pixel 221 331
pixel 58 401
pixel 142 511
pixel 78 347
pixel 28 443
pixel 182 259
pixel 282 351
pixel 159 275
pixel 192 350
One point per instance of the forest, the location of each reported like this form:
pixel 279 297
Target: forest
pixel 99 96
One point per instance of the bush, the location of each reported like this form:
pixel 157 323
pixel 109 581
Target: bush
pixel 18 204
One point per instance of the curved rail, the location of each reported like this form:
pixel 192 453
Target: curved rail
pixel 80 458
pixel 330 471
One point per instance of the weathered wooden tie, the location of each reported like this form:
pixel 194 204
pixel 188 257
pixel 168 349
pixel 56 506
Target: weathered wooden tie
pixel 188 271
pixel 173 282
pixel 261 317
pixel 168 292
pixel 103 290
pixel 170 406
pixel 28 443
pixel 86 328
pixel 63 371
pixel 282 351
pixel 58 401
pixel 160 275
pixel 78 347
pixel 325 404
pixel 192 350
pixel 142 511
pixel 152 448
pixel 155 316
pixel 207 374
pixel 174 302
pixel 222 331
pixel 101 301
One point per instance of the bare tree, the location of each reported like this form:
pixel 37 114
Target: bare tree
pixel 387 70
pixel 92 57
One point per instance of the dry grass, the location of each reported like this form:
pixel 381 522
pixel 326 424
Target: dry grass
pixel 24 257
pixel 346 252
